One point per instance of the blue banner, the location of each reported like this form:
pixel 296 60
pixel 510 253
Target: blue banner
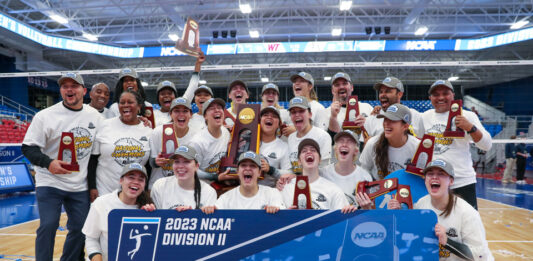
pixel 286 235
pixel 15 177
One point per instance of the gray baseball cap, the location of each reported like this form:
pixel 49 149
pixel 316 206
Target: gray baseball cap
pixel 210 101
pixel 308 142
pixel 270 86
pixel 127 72
pixel 185 151
pixel 180 101
pixel 390 82
pixel 250 155
pixel 272 109
pixel 71 75
pixel 342 76
pixel 133 167
pixel 166 84
pixel 300 102
pixel 397 112
pixel 235 83
pixel 203 88
pixel 441 164
pixel 437 83
pixel 306 76
pixel 347 133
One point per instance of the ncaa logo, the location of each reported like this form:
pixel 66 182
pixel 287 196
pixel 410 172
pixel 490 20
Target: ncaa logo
pixel 368 234
pixel 297 100
pixel 166 83
pixel 181 100
pixel 439 82
pixel 302 74
pixel 136 166
pixel 392 108
pixel 388 79
pixel 126 70
pixel 182 149
pixel 339 75
pixel 249 155
pixel 71 75
pixel 439 163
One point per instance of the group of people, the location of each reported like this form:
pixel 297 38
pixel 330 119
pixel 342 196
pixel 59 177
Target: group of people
pixel 124 162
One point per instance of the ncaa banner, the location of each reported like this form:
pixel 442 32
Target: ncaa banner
pixel 287 235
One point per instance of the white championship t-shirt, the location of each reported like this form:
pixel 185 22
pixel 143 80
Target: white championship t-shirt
pixel 168 194
pixel 266 196
pixel 197 121
pixel 210 149
pixel 45 132
pixel 161 117
pixel 347 183
pixel 320 136
pixel 324 194
pixel 276 153
pixel 119 144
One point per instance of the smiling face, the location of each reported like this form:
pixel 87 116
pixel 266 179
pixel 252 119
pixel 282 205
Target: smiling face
pixel 346 149
pixel 441 98
pixel 309 157
pixel 200 98
pixel 181 115
pixel 438 182
pixel 270 97
pixel 72 93
pixel 129 83
pixel 132 184
pixel 300 117
pixel 165 97
pixel 301 87
pixel 341 89
pixel 184 168
pixel 248 173
pixel 214 115
pixel 269 122
pixel 99 96
pixel 394 129
pixel 238 94
pixel 389 96
pixel 128 107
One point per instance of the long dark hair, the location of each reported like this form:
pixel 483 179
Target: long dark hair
pixel 197 190
pixel 138 98
pixel 451 203
pixel 119 89
pixel 143 199
pixel 382 154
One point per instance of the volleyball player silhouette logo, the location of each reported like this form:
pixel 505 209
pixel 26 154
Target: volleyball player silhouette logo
pixel 138 240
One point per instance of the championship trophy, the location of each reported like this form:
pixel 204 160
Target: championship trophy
pixel 244 136
pixel 452 131
pixel 170 142
pixel 149 114
pixel 229 120
pixel 423 155
pixel 352 111
pixel 302 193
pixel 190 40
pixel 403 195
pixel 377 188
pixel 67 152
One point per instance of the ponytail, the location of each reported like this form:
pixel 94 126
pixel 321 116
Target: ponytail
pixel 451 203
pixel 381 150
pixel 197 190
pixel 143 199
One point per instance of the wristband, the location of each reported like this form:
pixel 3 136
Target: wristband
pixel 474 129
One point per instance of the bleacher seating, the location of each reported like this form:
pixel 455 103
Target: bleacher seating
pixel 12 132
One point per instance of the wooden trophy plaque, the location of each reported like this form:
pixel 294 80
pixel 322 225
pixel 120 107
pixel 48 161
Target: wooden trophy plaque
pixel 190 40
pixel 67 152
pixel 452 131
pixel 244 136
pixel 423 155
pixel 377 188
pixel 149 114
pixel 352 111
pixel 403 195
pixel 229 120
pixel 302 193
pixel 169 141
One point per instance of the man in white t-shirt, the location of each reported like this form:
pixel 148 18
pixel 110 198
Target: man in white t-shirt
pixel 250 195
pixel 390 91
pixel 100 94
pixel 455 150
pixel 55 185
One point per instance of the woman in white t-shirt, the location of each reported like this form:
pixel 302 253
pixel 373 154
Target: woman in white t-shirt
pixel 201 95
pixel 128 79
pixel 274 151
pixel 301 117
pixel 180 113
pixel 394 148
pixel 303 84
pixel 270 97
pixel 345 173
pixel 131 195
pixel 120 141
pixel 184 190
pixel 459 229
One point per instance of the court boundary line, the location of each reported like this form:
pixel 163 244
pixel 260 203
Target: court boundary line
pixel 505 204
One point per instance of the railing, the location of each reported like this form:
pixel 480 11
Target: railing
pixel 26 112
pixel 485 111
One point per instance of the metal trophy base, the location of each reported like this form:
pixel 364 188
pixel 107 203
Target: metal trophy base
pixel 453 134
pixel 71 167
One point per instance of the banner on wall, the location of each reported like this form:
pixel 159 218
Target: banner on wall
pixel 286 235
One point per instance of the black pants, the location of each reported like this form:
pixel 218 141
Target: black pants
pixel 468 193
pixel 520 167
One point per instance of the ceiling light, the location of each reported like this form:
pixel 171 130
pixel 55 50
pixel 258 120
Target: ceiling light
pixel 519 24
pixel 90 37
pixel 327 78
pixel 245 8
pixel 173 37
pixel 144 84
pixel 60 19
pixel 254 33
pixel 336 31
pixel 345 5
pixel 453 78
pixel 421 30
pixel 264 79
pixel 202 81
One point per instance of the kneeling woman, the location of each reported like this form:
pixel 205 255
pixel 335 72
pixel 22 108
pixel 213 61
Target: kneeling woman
pixel 130 196
pixel 184 190
pixel 459 229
